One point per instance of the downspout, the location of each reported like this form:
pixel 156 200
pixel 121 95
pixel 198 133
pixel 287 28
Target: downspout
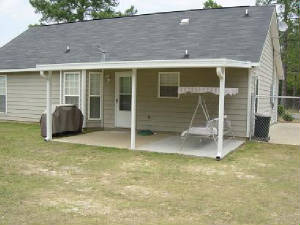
pixel 43 75
pixel 249 104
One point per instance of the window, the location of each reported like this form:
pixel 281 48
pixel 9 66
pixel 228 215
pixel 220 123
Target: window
pixel 3 96
pixel 72 88
pixel 94 95
pixel 168 84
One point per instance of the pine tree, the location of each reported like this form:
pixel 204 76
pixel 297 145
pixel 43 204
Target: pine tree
pixel 77 10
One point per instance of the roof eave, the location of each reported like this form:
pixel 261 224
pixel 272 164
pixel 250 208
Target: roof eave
pixel 150 64
pixel 147 64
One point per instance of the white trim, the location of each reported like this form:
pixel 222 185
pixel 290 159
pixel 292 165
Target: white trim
pixel 101 96
pixel 178 63
pixel 117 84
pixel 60 87
pixel 178 84
pixel 79 86
pixel 249 102
pixel 5 79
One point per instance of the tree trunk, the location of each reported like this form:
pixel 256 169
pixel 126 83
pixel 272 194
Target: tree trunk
pixel 295 91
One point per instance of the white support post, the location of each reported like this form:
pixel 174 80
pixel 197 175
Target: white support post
pixel 133 108
pixel 221 75
pixel 83 96
pixel 49 107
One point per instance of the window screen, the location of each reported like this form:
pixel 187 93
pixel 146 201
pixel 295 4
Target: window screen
pixel 72 88
pixel 125 94
pixel 95 96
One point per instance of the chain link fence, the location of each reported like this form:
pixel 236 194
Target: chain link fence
pixel 269 110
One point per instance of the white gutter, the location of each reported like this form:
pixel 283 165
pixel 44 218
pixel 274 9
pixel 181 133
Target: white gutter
pixel 147 64
pixel 20 70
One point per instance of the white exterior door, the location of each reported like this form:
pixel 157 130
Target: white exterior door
pixel 123 99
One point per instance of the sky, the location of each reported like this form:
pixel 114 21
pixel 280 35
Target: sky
pixel 16 15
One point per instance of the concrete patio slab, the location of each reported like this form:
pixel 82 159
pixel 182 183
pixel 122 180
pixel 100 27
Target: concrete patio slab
pixel 193 146
pixel 285 133
pixel 160 142
pixel 112 138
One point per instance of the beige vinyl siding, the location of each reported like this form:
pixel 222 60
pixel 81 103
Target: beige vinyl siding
pixel 26 96
pixel 109 100
pixel 27 99
pixel 267 77
pixel 165 114
pixel 175 114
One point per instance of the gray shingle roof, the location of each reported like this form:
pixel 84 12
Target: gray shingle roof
pixel 213 33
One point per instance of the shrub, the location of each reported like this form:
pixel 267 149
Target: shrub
pixel 281 110
pixel 287 117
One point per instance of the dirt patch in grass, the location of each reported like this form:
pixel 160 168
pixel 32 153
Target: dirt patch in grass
pixel 143 192
pixel 77 204
pixel 202 169
pixel 218 171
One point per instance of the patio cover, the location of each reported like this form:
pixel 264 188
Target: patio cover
pixel 202 90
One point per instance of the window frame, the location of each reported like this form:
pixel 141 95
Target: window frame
pixel 5 82
pixel 101 96
pixel 178 84
pixel 79 88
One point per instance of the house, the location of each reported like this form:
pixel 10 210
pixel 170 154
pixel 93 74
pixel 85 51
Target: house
pixel 125 72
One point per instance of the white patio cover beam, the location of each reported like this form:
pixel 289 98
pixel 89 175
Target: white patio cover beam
pixel 221 75
pixel 133 108
pixel 150 64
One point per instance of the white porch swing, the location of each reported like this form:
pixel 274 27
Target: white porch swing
pixel 210 129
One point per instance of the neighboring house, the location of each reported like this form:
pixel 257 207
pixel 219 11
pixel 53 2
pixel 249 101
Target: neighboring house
pixel 97 64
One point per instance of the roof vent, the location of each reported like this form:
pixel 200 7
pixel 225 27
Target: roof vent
pixel 67 49
pixel 185 21
pixel 186 54
pixel 246 12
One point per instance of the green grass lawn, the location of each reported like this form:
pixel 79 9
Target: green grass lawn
pixel 55 183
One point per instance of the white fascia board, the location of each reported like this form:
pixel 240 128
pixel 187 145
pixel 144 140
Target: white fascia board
pixel 148 64
pixel 20 70
pixel 207 63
